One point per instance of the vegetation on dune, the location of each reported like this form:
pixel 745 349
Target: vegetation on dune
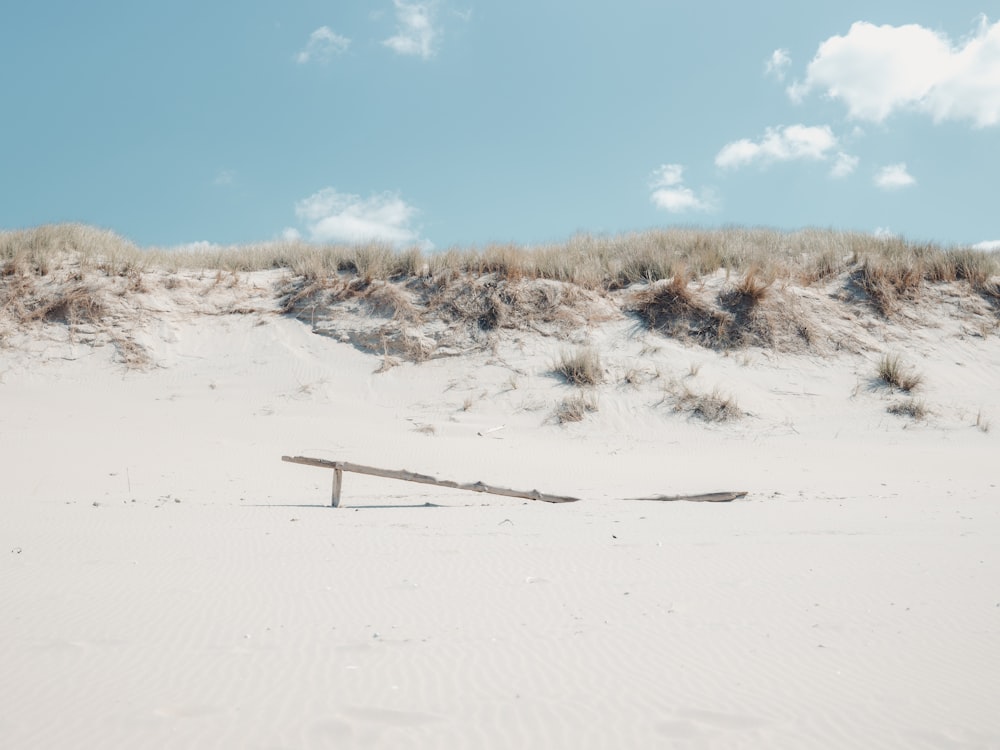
pixel 719 288
pixel 580 367
pixel 893 373
pixel 575 408
pixel 912 408
pixel 604 263
pixel 810 291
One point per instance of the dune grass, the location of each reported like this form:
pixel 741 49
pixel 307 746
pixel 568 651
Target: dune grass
pixel 893 373
pixel 719 288
pixel 580 367
pixel 886 266
pixel 713 406
pixel 913 408
pixel 575 408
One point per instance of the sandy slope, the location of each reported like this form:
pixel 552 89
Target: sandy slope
pixel 166 581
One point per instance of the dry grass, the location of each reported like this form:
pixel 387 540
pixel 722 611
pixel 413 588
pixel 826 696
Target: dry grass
pixel 893 373
pixel 672 279
pixel 574 408
pixel 580 367
pixel 891 271
pixel 671 308
pixel 752 288
pixel 912 408
pixel 749 312
pixel 711 407
pixel 887 280
pixel 594 262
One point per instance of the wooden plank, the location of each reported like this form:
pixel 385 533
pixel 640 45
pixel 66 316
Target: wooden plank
pixel 339 467
pixel 409 476
pixel 709 497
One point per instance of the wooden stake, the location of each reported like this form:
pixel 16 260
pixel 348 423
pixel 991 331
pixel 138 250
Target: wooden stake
pixel 338 480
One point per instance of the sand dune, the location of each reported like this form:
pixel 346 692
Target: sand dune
pixel 168 582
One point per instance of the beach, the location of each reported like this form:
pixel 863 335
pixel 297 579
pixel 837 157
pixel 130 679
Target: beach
pixel 170 582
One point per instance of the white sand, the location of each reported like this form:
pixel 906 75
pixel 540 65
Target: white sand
pixel 166 581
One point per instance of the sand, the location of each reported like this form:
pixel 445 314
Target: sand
pixel 167 581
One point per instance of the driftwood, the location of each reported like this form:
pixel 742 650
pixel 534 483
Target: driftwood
pixel 339 467
pixel 708 497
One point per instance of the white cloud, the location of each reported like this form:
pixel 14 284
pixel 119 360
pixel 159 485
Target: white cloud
pixel 667 175
pixel 777 64
pixel 894 177
pixel 779 144
pixel 332 216
pixel 844 165
pixel 678 200
pixel 878 70
pixel 199 246
pixel 224 177
pixel 671 195
pixel 415 34
pixel 323 44
pixel 987 246
pixel 884 233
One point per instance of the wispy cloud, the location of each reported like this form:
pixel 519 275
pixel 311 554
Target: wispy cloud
pixel 844 165
pixel 224 178
pixel 199 246
pixel 987 245
pixel 415 32
pixel 779 144
pixel 894 177
pixel 323 44
pixel 331 216
pixel 670 194
pixel 878 70
pixel 777 64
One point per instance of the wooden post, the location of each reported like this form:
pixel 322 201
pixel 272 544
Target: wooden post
pixel 338 480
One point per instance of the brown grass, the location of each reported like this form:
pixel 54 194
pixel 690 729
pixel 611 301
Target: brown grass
pixel 671 308
pixel 893 373
pixel 711 407
pixel 580 367
pixel 72 305
pixel 887 280
pixel 912 408
pixel 575 408
pixel 662 276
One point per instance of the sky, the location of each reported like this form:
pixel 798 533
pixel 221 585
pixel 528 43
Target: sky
pixel 459 123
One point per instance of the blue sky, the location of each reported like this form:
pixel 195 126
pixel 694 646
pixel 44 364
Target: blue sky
pixel 452 122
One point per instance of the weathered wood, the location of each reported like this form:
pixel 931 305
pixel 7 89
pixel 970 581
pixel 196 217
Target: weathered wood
pixel 338 481
pixel 709 497
pixel 339 467
pixel 409 476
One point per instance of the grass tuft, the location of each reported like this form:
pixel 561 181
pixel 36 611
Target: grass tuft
pixel 712 407
pixel 580 367
pixel 894 374
pixel 670 307
pixel 912 408
pixel 574 408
